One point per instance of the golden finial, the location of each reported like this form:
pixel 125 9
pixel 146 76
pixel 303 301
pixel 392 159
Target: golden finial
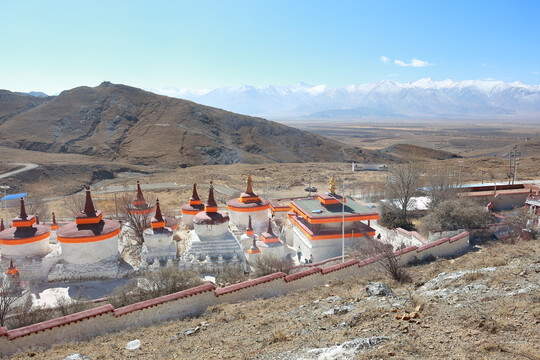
pixel 249 189
pixel 332 187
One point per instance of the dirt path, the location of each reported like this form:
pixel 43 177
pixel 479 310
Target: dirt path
pixel 26 167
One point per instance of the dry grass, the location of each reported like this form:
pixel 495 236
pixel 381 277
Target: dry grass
pixel 470 326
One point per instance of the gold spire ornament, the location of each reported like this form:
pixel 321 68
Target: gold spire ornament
pixel 332 187
pixel 249 189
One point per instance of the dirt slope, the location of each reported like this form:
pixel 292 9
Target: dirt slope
pixel 482 305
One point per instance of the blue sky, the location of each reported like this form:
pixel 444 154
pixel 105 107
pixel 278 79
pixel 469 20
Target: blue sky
pixel 55 45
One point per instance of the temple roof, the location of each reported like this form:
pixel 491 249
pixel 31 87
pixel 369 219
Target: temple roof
pixel 314 209
pixel 20 233
pixel 210 218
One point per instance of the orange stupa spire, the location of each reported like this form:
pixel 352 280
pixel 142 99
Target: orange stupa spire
pixel 23 214
pixel 89 204
pixel 194 199
pixel 157 221
pixel 211 205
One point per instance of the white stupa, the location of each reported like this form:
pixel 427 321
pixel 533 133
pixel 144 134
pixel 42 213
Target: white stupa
pixel 158 240
pixel 211 235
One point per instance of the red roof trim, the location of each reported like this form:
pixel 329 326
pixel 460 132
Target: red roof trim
pixel 340 266
pixel 459 236
pixel 64 320
pixel 249 283
pixel 304 273
pixel 163 299
pixel 406 250
pixel 432 244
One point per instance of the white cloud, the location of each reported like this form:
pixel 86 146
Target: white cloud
pixel 489 79
pixel 413 63
pixel 385 60
pixel 535 73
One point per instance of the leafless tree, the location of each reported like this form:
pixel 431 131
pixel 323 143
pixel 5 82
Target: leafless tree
pixel 442 185
pixel 36 206
pixel 402 186
pixel 136 222
pixel 10 293
pixel 74 203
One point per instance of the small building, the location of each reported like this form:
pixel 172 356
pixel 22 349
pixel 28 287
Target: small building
pixel 369 167
pixel 317 223
pixel 246 205
pixel 501 196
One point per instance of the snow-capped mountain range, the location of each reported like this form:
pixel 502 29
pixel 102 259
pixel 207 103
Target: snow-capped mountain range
pixel 379 99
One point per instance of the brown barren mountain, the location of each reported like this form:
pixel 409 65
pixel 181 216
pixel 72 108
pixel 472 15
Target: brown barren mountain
pixel 122 123
pixel 12 103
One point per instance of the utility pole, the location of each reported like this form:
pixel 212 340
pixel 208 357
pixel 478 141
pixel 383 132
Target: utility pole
pixel 482 176
pixel 516 163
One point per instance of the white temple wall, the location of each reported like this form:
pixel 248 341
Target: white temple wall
pixel 90 252
pixel 37 248
pixel 259 219
pixel 191 305
pixel 158 240
pixel 187 220
pixel 320 249
pixel 264 290
pixel 211 231
pixel 278 251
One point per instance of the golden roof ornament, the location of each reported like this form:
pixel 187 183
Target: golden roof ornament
pixel 332 186
pixel 249 189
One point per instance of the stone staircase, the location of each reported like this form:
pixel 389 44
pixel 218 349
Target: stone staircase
pixel 225 247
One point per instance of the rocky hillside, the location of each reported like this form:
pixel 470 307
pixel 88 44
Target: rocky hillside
pixel 482 305
pixel 122 123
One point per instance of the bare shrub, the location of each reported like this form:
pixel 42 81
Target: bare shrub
pixel 72 306
pixel 455 215
pixel 269 264
pixel 231 274
pixel 388 260
pixel 156 283
pixel 392 218
pixel 30 317
pixel 10 293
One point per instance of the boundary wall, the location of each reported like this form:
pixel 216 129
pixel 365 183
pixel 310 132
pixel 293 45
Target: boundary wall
pixel 195 301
